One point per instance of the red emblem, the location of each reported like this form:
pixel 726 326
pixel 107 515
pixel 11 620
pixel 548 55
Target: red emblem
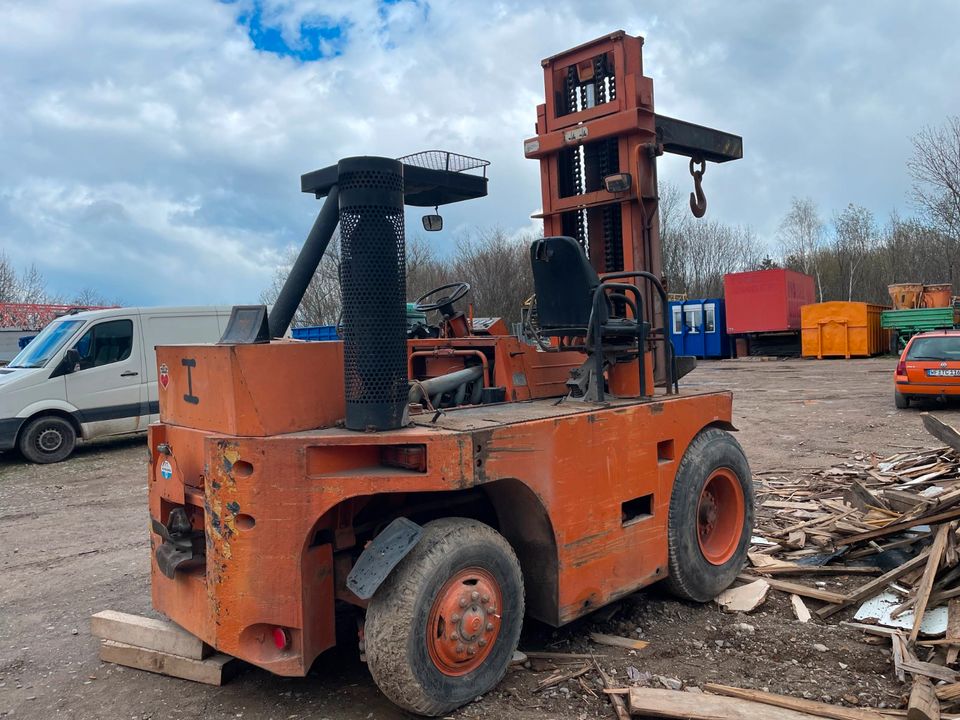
pixel 164 376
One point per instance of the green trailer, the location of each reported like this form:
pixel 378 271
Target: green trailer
pixel 904 324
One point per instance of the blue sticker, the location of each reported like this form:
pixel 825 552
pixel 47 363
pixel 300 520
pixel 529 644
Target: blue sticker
pixel 166 470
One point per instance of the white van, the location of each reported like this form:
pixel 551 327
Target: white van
pixel 93 374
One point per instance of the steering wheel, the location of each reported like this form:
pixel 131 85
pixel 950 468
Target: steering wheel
pixel 443 304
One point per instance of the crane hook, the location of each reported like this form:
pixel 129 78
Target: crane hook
pixel 698 201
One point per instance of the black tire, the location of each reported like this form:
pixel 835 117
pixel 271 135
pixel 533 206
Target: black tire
pixel 691 575
pixel 47 439
pixel 395 630
pixel 901 401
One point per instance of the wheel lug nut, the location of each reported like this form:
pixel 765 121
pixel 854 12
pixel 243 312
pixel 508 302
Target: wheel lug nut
pixel 474 596
pixel 455 617
pixel 454 636
pixel 485 599
pixel 489 627
pixel 471 650
pixel 463 602
pixel 459 649
pixel 481 642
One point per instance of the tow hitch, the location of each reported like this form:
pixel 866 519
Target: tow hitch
pixel 180 547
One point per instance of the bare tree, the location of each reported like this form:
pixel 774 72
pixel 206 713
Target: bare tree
pixel 935 169
pixel 91 297
pixel 425 271
pixel 321 302
pixel 854 241
pixel 674 222
pixel 33 287
pixel 9 283
pixel 801 237
pixel 713 250
pixel 498 270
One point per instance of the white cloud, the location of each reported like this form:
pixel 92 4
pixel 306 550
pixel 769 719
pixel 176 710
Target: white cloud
pixel 149 149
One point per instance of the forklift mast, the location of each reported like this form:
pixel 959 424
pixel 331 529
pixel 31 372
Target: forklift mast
pixel 598 139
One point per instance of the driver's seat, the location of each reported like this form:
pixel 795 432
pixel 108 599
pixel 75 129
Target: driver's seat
pixel 572 301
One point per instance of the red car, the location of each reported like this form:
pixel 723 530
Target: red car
pixel 929 367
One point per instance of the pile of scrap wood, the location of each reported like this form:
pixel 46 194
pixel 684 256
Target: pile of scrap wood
pixel 889 527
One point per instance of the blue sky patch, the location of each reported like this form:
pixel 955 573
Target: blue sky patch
pixel 318 38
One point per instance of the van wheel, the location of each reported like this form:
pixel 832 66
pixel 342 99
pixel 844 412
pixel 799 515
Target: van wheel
pixel 48 439
pixel 900 400
pixel 711 517
pixel 443 627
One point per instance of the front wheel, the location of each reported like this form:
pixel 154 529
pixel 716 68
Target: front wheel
pixel 443 627
pixel 48 439
pixel 711 517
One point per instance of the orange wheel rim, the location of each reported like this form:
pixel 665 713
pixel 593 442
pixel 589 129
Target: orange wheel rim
pixel 720 513
pixel 464 621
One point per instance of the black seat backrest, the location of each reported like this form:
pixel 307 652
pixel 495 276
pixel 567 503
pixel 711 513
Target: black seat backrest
pixel 564 281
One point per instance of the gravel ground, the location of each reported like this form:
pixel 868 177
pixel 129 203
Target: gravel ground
pixel 73 541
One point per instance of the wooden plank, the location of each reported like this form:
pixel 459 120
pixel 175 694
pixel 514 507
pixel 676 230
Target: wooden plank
pixel 559 656
pixel 935 672
pixel 929 574
pixel 894 528
pixel 898 648
pixel 941 431
pixel 814 570
pixel 863 498
pixel 953 630
pixel 799 609
pixel 616 701
pixel 743 598
pixel 648 702
pixel 790 505
pixel 560 677
pixel 215 670
pixel 948 692
pixel 149 633
pixel 812 707
pixel 875 586
pixel 801 590
pixel 923 703
pixel 618 641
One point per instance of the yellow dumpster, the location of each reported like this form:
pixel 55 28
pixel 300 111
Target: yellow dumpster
pixel 842 329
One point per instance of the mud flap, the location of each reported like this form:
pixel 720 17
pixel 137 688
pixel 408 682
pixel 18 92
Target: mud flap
pixel 381 556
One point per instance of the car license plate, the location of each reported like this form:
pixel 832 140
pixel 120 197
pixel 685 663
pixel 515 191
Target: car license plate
pixel 943 373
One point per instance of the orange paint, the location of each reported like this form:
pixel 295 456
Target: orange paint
pixel 556 475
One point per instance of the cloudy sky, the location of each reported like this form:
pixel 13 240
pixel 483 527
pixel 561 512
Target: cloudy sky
pixel 153 149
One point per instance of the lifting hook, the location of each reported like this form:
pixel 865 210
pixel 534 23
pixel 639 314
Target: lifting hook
pixel 698 201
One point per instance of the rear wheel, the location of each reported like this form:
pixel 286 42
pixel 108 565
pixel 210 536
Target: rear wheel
pixel 443 627
pixel 48 439
pixel 900 400
pixel 711 517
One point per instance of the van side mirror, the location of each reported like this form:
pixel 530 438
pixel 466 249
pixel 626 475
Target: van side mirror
pixel 432 223
pixel 69 364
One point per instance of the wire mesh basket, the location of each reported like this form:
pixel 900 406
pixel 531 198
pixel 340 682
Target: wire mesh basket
pixel 443 160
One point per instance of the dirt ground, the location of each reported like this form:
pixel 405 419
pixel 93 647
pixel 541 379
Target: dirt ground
pixel 73 541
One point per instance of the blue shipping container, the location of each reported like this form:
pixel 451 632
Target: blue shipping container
pixel 315 332
pixel 699 328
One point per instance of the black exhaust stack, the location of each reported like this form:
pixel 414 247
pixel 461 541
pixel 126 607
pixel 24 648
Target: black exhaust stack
pixel 374 290
pixel 366 195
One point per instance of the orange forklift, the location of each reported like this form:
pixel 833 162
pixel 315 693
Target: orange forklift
pixel 442 482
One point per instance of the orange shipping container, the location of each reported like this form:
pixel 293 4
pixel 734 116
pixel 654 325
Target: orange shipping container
pixel 842 329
